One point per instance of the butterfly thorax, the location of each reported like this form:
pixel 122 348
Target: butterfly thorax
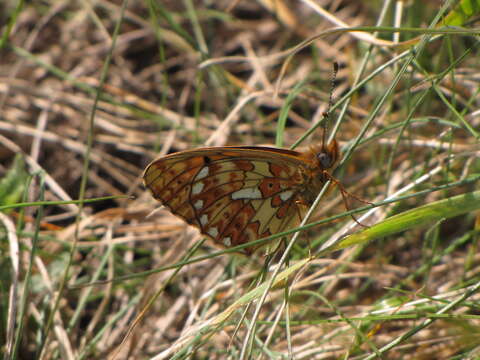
pixel 319 160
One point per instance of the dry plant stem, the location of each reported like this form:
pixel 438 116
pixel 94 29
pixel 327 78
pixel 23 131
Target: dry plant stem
pixel 149 304
pixel 248 337
pixel 333 19
pixel 107 241
pixel 40 23
pixel 41 126
pixel 219 136
pixel 55 316
pixel 434 144
pixel 397 22
pixel 271 333
pixel 14 251
pixel 52 184
pixel 100 158
pixel 469 292
pixel 359 73
pixel 259 70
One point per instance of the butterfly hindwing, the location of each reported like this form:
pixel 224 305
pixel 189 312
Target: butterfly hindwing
pixel 232 194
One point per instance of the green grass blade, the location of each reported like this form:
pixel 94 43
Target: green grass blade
pixel 426 214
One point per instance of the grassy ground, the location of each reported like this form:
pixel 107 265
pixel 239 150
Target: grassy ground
pixel 91 92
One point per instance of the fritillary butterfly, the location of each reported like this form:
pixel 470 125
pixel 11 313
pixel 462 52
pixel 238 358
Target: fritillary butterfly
pixel 237 194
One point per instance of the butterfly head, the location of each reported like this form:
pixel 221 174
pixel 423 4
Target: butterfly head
pixel 328 155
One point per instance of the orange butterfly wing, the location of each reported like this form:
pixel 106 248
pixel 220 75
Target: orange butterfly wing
pixel 235 194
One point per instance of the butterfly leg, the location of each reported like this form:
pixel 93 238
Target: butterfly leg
pixel 346 194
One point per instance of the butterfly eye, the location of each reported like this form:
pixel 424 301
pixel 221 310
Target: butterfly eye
pixel 325 160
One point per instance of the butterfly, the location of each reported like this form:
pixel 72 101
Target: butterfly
pixel 237 194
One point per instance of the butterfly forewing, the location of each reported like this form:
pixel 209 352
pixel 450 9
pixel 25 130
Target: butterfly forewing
pixel 232 194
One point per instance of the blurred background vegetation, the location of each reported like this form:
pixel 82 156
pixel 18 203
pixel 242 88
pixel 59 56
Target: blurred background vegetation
pixel 92 91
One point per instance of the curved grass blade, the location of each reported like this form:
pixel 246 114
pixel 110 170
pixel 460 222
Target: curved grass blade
pixel 426 214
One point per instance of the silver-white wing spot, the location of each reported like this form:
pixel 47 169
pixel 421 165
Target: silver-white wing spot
pixel 197 188
pixel 247 193
pixel 202 173
pixel 213 232
pixel 198 204
pixel 204 220
pixel 227 241
pixel 286 195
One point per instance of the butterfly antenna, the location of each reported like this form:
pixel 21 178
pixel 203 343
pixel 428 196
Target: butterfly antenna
pixel 326 114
